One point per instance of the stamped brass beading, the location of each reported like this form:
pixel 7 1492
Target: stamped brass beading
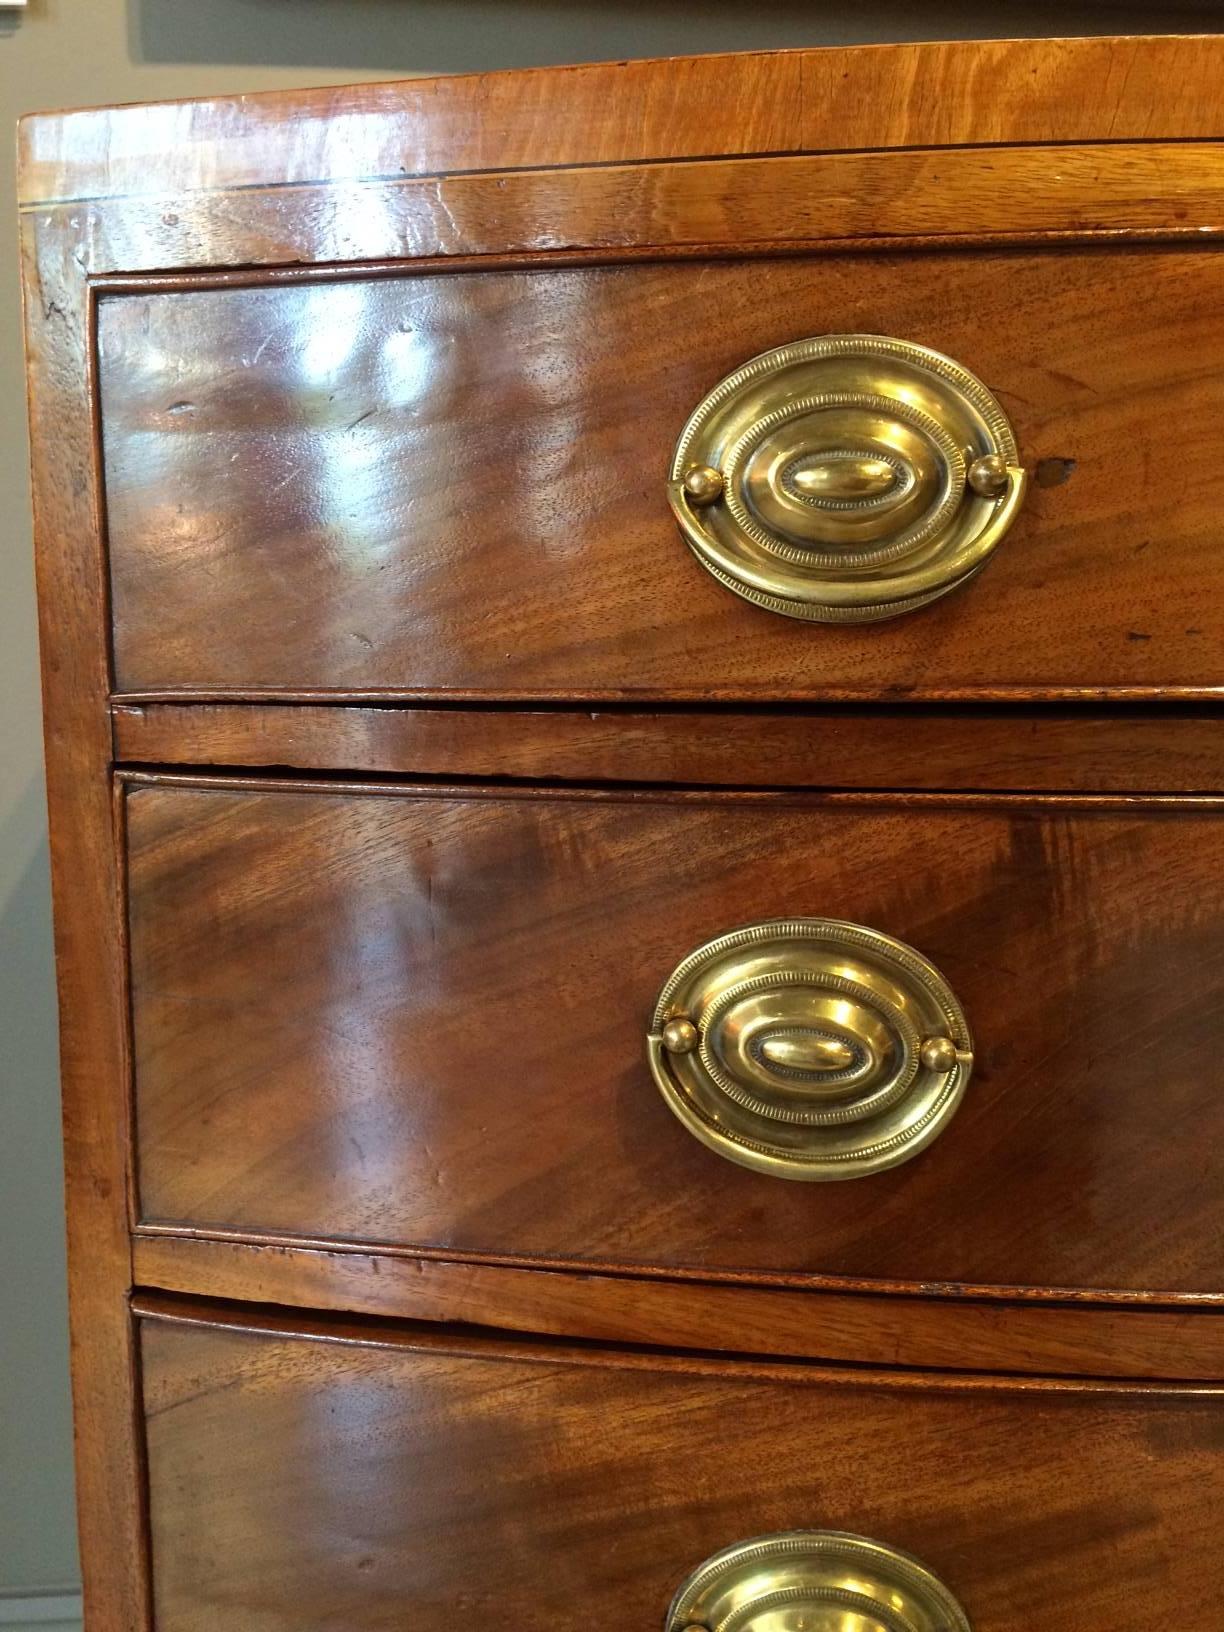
pixel 814 1581
pixel 846 478
pixel 810 1048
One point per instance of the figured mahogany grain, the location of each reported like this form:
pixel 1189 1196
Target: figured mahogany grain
pixel 1041 749
pixel 1158 193
pixel 955 1334
pixel 657 210
pixel 936 94
pixel 632 164
pixel 454 484
pixel 318 1478
pixel 419 1018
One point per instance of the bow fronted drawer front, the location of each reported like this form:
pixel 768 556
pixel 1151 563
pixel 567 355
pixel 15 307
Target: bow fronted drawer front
pixel 985 480
pixel 616 1028
pixel 312 1475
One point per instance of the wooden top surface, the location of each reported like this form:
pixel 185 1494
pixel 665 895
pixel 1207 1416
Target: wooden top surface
pixel 948 93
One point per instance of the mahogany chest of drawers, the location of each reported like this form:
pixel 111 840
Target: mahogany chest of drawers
pixel 633 662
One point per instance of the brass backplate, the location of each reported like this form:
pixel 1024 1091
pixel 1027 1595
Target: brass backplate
pixel 814 1581
pixel 810 1048
pixel 846 478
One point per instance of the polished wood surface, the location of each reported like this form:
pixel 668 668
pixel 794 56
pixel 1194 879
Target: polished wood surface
pixel 415 1018
pixel 312 1480
pixel 1048 749
pixel 950 1334
pixel 453 484
pixel 86 888
pixel 304 1064
pixel 1160 193
pixel 944 93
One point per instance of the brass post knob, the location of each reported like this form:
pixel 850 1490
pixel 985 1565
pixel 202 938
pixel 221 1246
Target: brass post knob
pixel 817 1580
pixel 810 1048
pixel 846 478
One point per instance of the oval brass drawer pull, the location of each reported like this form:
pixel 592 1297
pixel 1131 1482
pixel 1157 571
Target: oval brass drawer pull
pixel 846 478
pixel 810 1048
pixel 821 1580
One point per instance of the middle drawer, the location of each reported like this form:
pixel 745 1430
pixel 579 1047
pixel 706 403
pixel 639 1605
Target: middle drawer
pixel 419 1017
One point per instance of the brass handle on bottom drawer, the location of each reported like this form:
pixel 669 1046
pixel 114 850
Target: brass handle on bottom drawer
pixel 820 1580
pixel 810 1048
pixel 846 478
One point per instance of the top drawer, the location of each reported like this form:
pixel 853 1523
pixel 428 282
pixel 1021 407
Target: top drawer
pixel 455 483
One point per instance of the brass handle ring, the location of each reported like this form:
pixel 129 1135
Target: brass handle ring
pixel 817 1579
pixel 810 1048
pixel 846 478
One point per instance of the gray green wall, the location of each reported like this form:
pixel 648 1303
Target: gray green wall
pixel 60 53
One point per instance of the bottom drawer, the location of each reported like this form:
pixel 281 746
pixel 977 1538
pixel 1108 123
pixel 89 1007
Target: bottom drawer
pixel 309 1477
